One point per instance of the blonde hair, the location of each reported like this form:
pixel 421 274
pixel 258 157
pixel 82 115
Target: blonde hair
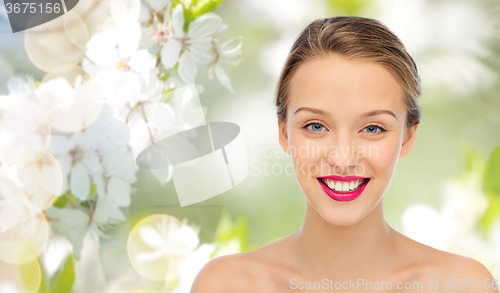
pixel 357 38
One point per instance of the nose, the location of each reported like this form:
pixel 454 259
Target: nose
pixel 342 156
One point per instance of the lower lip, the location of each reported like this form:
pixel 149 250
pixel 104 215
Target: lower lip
pixel 347 196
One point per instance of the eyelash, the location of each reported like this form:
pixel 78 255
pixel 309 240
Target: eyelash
pixel 312 123
pixel 382 129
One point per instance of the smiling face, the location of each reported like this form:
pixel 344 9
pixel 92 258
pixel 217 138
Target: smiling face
pixel 345 118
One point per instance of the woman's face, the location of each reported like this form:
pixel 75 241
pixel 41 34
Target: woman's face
pixel 345 118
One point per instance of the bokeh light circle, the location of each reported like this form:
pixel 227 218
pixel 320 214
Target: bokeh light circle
pixel 42 179
pixel 49 46
pixel 23 227
pixel 153 269
pixel 76 29
pixel 25 277
pixel 70 108
pixel 66 71
pixel 29 125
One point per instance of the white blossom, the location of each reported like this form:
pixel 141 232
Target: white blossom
pixel 453 227
pixel 22 225
pixel 81 141
pixel 156 20
pixel 101 155
pixel 228 52
pixel 22 118
pixel 25 135
pixel 150 8
pixel 69 109
pixel 124 72
pixel 190 266
pixel 168 240
pixel 74 224
pixel 192 47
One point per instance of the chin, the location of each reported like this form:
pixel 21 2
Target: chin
pixel 340 216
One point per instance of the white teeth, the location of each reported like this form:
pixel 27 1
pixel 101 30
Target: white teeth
pixel 343 186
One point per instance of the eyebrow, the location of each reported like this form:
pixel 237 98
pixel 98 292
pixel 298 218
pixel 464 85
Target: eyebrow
pixel 367 114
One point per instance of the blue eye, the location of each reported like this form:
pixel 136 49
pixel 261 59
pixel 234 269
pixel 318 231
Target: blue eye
pixel 316 127
pixel 374 128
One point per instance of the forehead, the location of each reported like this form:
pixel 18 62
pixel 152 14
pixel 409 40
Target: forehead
pixel 343 86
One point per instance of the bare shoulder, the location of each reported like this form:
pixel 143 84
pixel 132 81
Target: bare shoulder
pixel 451 271
pixel 467 275
pixel 227 273
pixel 251 271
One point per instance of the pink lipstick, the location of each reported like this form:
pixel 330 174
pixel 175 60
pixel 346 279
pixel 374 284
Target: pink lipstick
pixel 343 188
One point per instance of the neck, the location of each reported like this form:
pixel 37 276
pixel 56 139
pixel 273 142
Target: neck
pixel 347 251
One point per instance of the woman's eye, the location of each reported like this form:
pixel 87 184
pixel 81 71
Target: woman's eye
pixel 315 127
pixel 373 129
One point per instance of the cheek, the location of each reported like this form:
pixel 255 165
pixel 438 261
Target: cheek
pixel 302 155
pixel 308 156
pixel 383 155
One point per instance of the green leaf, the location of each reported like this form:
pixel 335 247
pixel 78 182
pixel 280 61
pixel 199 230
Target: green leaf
pixel 164 76
pixel 93 189
pixel 242 232
pixel 198 3
pixel 491 213
pixel 187 3
pixel 167 95
pixel 87 204
pixel 188 14
pixel 70 197
pixel 66 198
pixel 188 17
pixel 472 158
pixel 206 6
pixel 61 202
pixel 351 7
pixel 226 230
pixel 197 9
pixel 28 271
pixel 491 187
pixel 44 282
pixel 223 228
pixel 491 179
pixel 64 279
pixel 44 288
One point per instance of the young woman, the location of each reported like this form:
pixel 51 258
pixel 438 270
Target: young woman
pixel 347 112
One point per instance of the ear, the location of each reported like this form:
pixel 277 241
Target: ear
pixel 409 141
pixel 283 136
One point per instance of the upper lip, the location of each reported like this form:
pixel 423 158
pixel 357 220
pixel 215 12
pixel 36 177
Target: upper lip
pixel 340 178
